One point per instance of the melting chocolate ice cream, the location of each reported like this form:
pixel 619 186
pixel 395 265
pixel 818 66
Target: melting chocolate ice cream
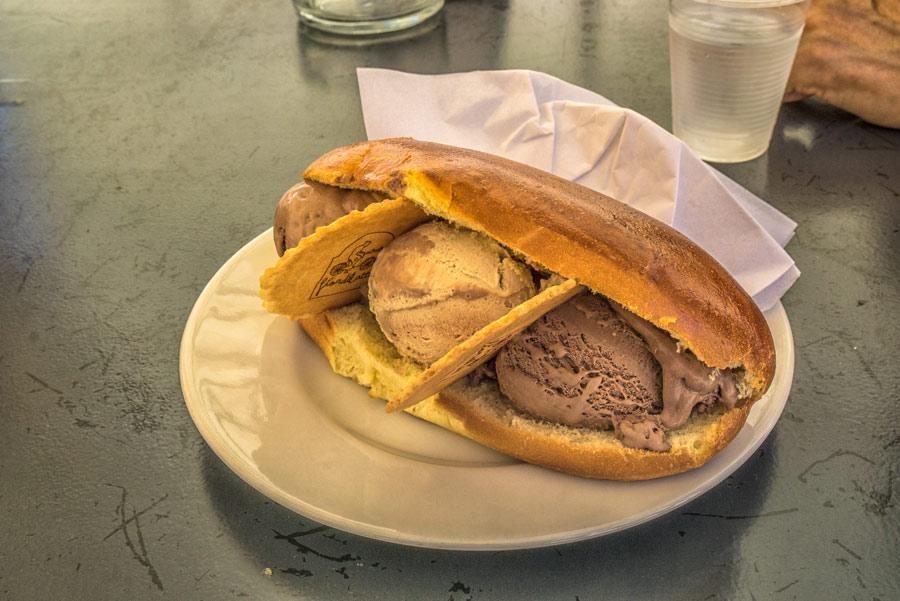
pixel 587 364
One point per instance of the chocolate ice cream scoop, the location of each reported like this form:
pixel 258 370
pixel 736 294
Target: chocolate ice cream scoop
pixel 307 206
pixel 582 365
pixel 437 284
pixel 595 365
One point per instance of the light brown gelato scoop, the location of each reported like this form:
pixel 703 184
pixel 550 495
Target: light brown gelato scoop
pixel 436 285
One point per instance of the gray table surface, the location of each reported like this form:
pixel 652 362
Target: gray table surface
pixel 144 142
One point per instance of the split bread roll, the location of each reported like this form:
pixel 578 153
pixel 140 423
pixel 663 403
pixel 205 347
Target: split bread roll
pixel 563 231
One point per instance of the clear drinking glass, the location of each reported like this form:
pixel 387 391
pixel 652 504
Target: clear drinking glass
pixel 365 17
pixel 730 62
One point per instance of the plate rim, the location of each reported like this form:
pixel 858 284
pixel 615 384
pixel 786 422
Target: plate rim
pixel 257 480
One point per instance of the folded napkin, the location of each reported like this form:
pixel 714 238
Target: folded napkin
pixel 577 134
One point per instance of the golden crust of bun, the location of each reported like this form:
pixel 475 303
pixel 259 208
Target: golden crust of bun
pixel 481 415
pixel 355 347
pixel 619 252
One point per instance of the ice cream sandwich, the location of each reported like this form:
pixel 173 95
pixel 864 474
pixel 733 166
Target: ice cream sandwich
pixel 532 315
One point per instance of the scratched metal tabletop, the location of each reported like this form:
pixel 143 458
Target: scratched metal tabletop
pixel 143 143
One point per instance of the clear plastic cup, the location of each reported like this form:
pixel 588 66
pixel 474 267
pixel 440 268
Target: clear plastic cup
pixel 730 63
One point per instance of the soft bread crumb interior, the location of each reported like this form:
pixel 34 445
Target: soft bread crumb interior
pixel 361 352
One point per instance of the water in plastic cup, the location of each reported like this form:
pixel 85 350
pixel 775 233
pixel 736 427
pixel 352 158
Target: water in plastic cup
pixel 730 62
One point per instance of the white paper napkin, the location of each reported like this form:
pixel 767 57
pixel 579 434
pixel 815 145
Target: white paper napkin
pixel 577 134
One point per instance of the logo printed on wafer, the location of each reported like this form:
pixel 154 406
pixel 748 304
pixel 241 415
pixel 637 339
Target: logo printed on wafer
pixel 349 269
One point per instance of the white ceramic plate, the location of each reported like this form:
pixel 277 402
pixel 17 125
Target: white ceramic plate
pixel 266 401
